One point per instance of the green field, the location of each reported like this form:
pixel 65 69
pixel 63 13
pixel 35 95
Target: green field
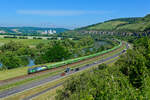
pixel 30 42
pixel 6 74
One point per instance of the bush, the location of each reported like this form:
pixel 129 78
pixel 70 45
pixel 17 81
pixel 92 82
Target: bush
pixel 133 65
pixel 107 84
pixel 102 66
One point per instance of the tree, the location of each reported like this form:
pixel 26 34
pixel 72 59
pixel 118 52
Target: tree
pixel 11 46
pixel 54 54
pixel 133 65
pixel 10 60
pixel 14 54
pixel 57 53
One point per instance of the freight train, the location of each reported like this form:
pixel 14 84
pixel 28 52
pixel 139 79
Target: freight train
pixel 70 61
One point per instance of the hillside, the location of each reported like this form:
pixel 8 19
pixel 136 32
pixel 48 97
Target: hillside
pixel 29 30
pixel 135 24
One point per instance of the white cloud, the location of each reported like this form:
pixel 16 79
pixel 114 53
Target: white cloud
pixel 60 12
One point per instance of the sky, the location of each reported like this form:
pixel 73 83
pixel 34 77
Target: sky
pixel 68 13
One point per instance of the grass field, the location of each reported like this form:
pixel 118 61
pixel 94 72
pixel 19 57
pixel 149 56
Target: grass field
pixel 30 42
pixel 7 74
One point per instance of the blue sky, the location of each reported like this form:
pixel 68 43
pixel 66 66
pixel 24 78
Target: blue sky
pixel 68 13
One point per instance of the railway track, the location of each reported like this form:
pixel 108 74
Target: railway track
pixel 19 78
pixel 22 88
pixel 48 89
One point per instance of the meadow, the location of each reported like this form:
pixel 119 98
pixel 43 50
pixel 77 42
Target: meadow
pixel 31 42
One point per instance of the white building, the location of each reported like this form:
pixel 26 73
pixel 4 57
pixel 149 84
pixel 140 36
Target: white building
pixel 49 32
